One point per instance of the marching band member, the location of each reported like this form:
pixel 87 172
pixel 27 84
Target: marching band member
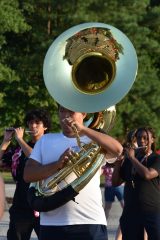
pixel 83 218
pixel 22 218
pixel 140 170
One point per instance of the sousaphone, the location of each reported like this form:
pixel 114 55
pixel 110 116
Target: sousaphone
pixel 88 68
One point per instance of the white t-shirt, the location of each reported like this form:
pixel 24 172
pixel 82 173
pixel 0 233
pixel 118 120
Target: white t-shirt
pixel 87 208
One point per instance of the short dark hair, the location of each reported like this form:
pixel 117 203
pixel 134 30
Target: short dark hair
pixel 39 114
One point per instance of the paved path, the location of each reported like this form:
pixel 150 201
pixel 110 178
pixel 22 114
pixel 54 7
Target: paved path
pixel 112 221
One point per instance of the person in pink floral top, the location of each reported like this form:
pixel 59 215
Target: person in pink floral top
pixel 111 192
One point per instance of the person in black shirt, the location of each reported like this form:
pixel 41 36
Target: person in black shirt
pixel 140 170
pixel 22 218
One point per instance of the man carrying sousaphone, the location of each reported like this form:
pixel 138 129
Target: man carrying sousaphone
pixel 83 218
pixel 64 168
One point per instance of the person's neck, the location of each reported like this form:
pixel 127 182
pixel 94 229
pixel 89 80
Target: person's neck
pixel 36 138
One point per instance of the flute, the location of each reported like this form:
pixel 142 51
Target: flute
pixel 140 147
pixel 10 129
pixel 113 160
pixel 134 147
pixel 28 131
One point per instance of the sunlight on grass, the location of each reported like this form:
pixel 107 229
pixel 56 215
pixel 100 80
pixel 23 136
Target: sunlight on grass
pixel 7 176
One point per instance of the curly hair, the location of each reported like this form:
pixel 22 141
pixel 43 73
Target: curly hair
pixel 39 114
pixel 130 138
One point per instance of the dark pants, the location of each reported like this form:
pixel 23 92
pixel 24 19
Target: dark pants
pixel 151 223
pixel 131 225
pixel 134 222
pixel 74 232
pixel 111 192
pixel 21 225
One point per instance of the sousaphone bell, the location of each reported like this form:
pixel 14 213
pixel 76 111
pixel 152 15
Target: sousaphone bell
pixel 90 67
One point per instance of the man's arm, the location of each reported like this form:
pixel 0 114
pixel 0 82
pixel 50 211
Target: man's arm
pixel 110 145
pixel 19 133
pixel 5 143
pixel 35 171
pixel 3 148
pixel 116 178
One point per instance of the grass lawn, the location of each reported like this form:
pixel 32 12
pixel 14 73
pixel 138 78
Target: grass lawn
pixel 7 176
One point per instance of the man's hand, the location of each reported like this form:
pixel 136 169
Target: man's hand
pixel 8 135
pixel 64 158
pixel 19 132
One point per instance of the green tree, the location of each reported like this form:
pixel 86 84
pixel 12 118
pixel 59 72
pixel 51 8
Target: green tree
pixel 28 29
pixel 12 22
pixel 23 50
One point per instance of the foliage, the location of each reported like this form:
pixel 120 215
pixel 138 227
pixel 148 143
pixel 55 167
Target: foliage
pixel 29 27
